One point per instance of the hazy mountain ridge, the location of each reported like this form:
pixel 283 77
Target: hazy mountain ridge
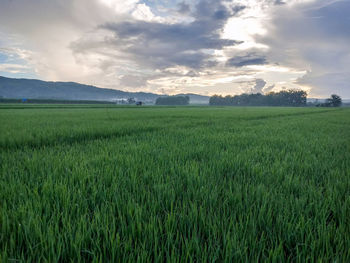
pixel 38 89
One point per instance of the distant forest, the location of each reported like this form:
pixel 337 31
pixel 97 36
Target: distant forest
pixel 283 98
pixel 173 100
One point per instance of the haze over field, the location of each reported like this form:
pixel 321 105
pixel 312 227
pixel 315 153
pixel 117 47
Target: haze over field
pixel 169 47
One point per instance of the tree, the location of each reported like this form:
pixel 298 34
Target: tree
pixel 131 101
pixel 283 98
pixel 215 100
pixel 335 100
pixel 173 100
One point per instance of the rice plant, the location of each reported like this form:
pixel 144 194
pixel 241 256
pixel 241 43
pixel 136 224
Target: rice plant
pixel 212 184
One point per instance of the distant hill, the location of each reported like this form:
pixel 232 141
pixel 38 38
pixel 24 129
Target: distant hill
pixel 38 89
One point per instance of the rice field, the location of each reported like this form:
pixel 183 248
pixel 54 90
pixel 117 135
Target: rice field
pixel 178 184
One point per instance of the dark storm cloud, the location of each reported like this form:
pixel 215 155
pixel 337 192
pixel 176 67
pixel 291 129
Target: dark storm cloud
pixel 206 9
pixel 279 2
pixel 240 61
pixel 188 44
pixel 238 8
pixel 184 8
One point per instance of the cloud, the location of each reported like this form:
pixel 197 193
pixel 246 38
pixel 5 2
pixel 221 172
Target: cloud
pixel 133 81
pixel 251 59
pixel 313 36
pixel 14 68
pixel 268 89
pixel 184 8
pixel 203 46
pixel 118 38
pixel 45 29
pixel 328 83
pixel 279 2
pixel 238 8
pixel 161 45
pixel 252 86
pixel 259 85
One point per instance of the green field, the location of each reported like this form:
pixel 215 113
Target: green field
pixel 211 184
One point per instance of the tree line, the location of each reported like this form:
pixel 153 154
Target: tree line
pixel 282 98
pixel 173 100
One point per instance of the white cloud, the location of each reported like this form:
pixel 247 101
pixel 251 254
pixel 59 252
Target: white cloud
pixel 121 6
pixel 14 68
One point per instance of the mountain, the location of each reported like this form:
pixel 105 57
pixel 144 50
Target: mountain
pixel 38 89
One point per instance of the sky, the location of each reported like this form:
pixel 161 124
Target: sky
pixel 206 47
